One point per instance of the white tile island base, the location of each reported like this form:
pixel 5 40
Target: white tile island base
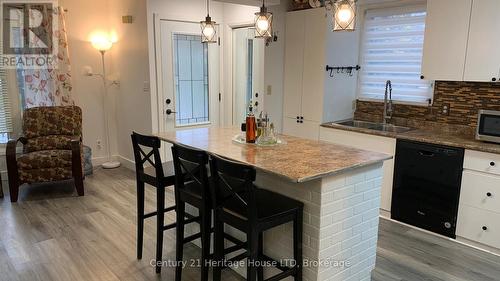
pixel 341 216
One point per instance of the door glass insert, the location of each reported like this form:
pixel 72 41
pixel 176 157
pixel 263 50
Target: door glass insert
pixel 191 80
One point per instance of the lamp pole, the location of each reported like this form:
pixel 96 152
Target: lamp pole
pixel 109 164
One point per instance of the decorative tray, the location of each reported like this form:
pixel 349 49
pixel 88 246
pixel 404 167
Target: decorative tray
pixel 242 140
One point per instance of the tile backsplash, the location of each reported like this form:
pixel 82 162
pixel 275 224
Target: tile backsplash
pixel 464 99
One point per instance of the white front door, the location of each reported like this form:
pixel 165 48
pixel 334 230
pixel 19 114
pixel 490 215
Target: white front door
pixel 189 78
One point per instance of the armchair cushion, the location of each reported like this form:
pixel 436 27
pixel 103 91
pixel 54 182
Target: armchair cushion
pixel 44 159
pixel 48 128
pixel 45 175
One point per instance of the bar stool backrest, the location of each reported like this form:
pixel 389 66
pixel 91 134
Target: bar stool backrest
pixel 190 166
pixel 147 149
pixel 233 187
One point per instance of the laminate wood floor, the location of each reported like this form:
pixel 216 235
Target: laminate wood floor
pixel 53 235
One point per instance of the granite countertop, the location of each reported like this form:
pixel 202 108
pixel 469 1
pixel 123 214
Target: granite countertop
pixel 299 160
pixel 433 136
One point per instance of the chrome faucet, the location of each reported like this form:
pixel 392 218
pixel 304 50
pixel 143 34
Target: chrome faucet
pixel 388 101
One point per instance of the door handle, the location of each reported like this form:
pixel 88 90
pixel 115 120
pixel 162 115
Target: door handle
pixel 169 111
pixel 426 153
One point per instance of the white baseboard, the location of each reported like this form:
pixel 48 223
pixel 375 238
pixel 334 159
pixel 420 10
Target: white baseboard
pixel 127 163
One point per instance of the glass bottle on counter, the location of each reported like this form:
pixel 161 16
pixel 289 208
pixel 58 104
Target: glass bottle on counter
pixel 251 125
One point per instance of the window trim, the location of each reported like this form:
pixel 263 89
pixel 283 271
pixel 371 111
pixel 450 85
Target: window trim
pixel 406 6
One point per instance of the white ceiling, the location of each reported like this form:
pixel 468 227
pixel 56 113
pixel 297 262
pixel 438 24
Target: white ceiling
pixel 251 2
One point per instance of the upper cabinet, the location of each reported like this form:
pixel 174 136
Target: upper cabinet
pixel 483 58
pixel 305 49
pixel 445 42
pixel 461 38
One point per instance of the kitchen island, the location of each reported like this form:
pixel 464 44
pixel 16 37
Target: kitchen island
pixel 339 186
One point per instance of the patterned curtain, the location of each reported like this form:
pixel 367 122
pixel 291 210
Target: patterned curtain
pixel 50 87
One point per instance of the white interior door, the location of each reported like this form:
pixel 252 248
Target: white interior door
pixel 189 78
pixel 248 72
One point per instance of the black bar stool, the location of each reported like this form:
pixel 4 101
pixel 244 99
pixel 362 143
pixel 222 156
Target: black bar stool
pixel 240 204
pixel 192 187
pixel 159 176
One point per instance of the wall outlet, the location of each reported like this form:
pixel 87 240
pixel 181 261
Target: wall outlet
pixel 445 110
pixel 99 144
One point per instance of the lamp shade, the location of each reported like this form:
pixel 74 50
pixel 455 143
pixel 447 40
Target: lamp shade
pixel 101 42
pixel 208 31
pixel 344 15
pixel 263 23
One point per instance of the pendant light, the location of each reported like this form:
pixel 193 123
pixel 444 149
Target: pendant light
pixel 343 14
pixel 263 23
pixel 208 31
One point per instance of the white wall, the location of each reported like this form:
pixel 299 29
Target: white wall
pixel 340 91
pixel 274 67
pixel 82 19
pixel 131 62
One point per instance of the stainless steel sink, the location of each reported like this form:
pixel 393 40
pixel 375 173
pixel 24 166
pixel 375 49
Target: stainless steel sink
pixel 374 126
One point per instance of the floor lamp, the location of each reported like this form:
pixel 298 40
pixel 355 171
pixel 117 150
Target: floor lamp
pixel 103 45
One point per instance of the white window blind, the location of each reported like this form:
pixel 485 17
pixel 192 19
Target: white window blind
pixel 392 50
pixel 5 108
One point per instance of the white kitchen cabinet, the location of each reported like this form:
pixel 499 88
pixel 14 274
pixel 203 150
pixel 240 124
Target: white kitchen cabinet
pixel 307 129
pixel 305 55
pixel 479 225
pixel 446 36
pixel 479 207
pixel 483 58
pixel 294 64
pixel 314 65
pixel 372 143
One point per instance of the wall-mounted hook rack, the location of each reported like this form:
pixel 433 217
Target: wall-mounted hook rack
pixel 342 69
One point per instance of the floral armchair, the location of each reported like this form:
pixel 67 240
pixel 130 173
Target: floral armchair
pixel 52 148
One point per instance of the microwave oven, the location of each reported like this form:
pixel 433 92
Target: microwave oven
pixel 488 126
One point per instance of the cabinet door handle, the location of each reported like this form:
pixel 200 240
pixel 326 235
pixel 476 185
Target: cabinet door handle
pixel 485 228
pixel 493 79
pixel 488 194
pixel 422 77
pixel 492 164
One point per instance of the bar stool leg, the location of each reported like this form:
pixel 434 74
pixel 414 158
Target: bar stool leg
pixel 219 249
pixel 260 272
pixel 160 207
pixel 253 252
pixel 297 248
pixel 140 218
pixel 206 224
pixel 179 244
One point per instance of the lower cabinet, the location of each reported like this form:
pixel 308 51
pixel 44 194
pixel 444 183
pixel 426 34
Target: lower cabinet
pixel 372 143
pixel 479 208
pixel 479 225
pixel 306 129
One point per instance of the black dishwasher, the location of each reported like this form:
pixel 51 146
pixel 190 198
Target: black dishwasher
pixel 426 189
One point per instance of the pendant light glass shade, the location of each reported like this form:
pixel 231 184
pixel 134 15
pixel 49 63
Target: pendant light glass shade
pixel 344 15
pixel 263 23
pixel 208 29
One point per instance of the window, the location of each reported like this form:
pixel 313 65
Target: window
pixel 191 80
pixel 392 50
pixel 5 108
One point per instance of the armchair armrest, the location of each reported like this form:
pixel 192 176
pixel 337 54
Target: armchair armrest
pixel 77 164
pixel 76 150
pixel 11 150
pixel 12 167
